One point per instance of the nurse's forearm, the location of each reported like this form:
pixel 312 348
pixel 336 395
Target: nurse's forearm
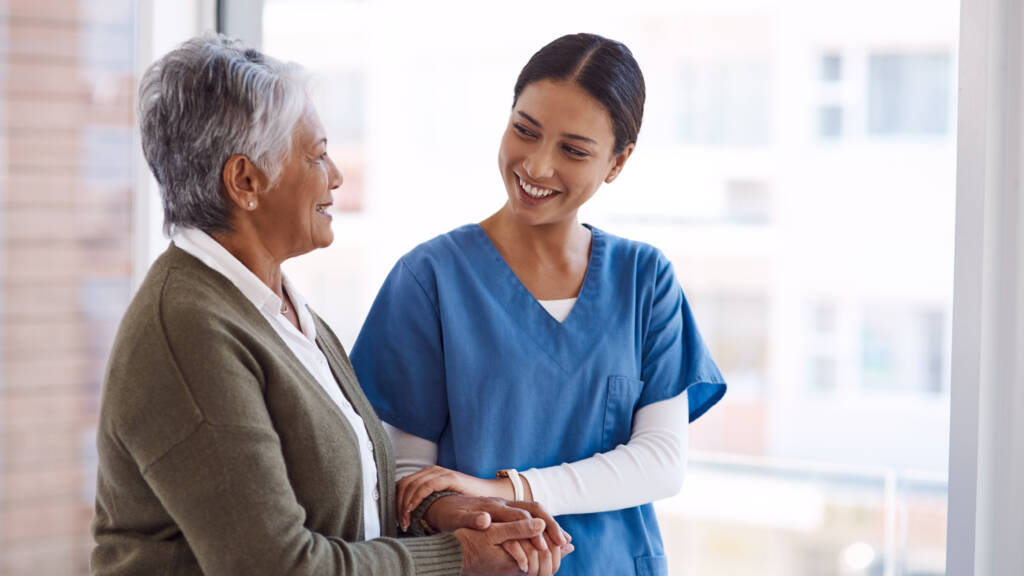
pixel 412 453
pixel 649 467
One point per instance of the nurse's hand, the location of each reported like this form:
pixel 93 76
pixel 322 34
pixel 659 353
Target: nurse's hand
pixel 412 489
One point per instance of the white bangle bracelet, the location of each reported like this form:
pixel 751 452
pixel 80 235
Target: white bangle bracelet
pixel 517 482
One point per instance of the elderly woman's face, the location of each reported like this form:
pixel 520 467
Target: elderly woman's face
pixel 295 209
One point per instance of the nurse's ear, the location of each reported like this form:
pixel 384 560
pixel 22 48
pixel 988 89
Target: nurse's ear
pixel 618 162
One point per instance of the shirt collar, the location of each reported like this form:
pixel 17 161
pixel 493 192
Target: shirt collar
pixel 210 252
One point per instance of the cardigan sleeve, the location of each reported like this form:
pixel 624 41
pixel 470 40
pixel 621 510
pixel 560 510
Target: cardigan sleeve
pixel 184 403
pixel 227 488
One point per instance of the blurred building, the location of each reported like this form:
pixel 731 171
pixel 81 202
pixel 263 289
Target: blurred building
pixel 67 79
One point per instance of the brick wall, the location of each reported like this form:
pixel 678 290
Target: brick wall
pixel 66 87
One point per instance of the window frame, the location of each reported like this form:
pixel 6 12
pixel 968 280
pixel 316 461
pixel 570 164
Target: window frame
pixel 985 462
pixel 989 154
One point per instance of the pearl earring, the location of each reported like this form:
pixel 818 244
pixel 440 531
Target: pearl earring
pixel 251 204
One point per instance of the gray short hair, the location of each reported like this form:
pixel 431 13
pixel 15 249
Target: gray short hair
pixel 203 102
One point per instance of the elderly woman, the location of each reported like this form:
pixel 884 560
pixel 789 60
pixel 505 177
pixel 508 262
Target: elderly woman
pixel 233 436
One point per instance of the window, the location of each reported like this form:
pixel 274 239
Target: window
pixel 902 348
pixel 748 202
pixel 830 122
pixel 831 67
pixel 792 255
pixel 822 347
pixel 734 325
pixel 909 94
pixel 726 103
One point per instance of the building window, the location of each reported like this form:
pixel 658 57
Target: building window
pixel 726 103
pixel 748 202
pixel 735 327
pixel 821 373
pixel 822 370
pixel 831 67
pixel 909 94
pixel 902 349
pixel 830 122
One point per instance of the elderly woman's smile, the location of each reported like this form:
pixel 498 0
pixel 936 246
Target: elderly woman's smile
pixel 321 209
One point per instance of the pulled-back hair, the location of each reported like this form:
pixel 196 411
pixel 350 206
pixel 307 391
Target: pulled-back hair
pixel 604 68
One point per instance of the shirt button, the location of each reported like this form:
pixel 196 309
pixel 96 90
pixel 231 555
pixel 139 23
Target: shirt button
pixel 376 494
pixel 369 445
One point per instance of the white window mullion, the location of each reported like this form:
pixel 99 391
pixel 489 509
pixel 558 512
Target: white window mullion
pixel 986 506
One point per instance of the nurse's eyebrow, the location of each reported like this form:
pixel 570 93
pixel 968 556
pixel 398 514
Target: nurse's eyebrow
pixel 531 120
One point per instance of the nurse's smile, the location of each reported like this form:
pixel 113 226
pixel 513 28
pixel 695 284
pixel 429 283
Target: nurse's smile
pixel 533 194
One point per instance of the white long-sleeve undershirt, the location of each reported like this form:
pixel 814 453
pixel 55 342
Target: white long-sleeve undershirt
pixel 649 467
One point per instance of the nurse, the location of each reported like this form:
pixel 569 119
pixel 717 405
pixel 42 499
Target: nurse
pixel 533 357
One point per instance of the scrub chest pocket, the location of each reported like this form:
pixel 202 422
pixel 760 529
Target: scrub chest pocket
pixel 620 404
pixel 651 566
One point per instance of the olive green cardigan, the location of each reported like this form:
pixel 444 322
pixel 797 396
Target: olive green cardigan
pixel 220 454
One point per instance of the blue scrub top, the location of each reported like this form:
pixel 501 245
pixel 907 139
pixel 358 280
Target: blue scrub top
pixel 457 351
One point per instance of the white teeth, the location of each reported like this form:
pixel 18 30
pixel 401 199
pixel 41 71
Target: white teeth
pixel 534 191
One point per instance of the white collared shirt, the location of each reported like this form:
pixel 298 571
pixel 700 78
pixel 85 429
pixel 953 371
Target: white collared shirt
pixel 301 343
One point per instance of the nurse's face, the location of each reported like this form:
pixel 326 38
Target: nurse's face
pixel 556 151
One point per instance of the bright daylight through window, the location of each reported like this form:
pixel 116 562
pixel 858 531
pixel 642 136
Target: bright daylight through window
pixel 796 163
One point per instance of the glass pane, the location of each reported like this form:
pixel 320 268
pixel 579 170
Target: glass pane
pixel 909 93
pixel 830 122
pixel 67 83
pixel 817 257
pixel 831 67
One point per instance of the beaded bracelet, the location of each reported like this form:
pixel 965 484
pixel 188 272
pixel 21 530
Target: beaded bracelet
pixel 418 525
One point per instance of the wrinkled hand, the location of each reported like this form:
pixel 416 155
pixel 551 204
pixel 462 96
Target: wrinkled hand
pixel 540 554
pixel 482 551
pixel 412 489
pixel 556 544
pixel 488 551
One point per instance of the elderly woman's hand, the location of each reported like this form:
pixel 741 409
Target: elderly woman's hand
pixel 540 554
pixel 490 551
pixel 480 552
pixel 556 544
pixel 412 489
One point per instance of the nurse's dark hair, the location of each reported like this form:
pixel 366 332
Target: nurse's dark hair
pixel 604 68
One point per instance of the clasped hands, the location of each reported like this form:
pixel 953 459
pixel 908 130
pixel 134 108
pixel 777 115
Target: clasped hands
pixel 498 536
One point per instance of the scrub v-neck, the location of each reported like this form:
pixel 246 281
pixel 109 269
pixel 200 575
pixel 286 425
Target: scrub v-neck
pixel 566 342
